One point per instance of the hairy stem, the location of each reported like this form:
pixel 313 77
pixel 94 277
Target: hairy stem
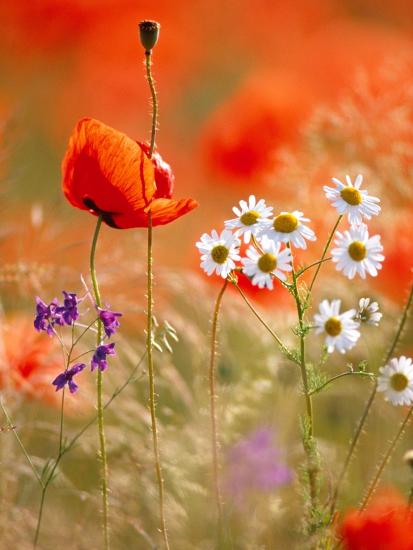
pixel 385 460
pixel 213 399
pixel 369 403
pixel 323 255
pixel 152 398
pixel 151 82
pixel 149 328
pixel 308 441
pixel 282 346
pixel 99 386
pixel 338 376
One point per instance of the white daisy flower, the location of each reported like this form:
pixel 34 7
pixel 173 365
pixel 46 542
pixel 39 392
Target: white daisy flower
pixel 263 266
pixel 396 381
pixel 218 252
pixel 251 216
pixel 368 312
pixel 340 329
pixel 348 198
pixel 288 227
pixel 356 252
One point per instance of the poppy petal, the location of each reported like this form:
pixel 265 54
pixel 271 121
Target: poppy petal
pixel 164 211
pixel 106 172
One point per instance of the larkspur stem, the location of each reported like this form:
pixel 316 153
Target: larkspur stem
pixel 99 387
pixel 149 328
pixel 213 412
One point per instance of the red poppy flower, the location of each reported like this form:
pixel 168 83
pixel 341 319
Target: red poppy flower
pixel 386 524
pixel 109 174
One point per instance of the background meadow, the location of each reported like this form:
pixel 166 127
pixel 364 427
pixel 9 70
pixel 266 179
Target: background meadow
pixel 266 97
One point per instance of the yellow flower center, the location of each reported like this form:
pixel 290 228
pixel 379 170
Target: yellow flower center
pixel 357 251
pixel 219 254
pixel 351 195
pixel 333 326
pixel 250 218
pixel 267 263
pixel 399 381
pixel 285 223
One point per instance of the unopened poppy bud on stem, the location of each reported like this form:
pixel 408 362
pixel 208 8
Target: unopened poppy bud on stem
pixel 149 34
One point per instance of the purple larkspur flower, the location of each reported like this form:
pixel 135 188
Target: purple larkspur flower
pixel 69 310
pixel 99 357
pixel 47 316
pixel 254 464
pixel 109 320
pixel 67 378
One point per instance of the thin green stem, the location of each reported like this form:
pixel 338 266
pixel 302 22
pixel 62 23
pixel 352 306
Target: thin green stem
pixel 323 255
pixel 369 403
pixel 99 387
pixel 45 484
pixel 149 329
pixel 152 397
pixel 351 450
pixel 213 412
pixel 19 441
pixel 282 346
pixel 338 376
pixel 385 460
pixel 308 439
pixel 307 267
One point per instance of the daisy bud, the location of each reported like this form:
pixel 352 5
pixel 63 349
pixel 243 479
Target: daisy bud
pixel 149 33
pixel 408 458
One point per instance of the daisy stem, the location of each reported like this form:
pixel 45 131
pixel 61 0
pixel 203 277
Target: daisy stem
pixel 213 412
pixel 309 442
pixel 351 450
pixel 338 376
pixel 369 403
pixel 385 460
pixel 323 255
pixel 99 385
pixel 283 347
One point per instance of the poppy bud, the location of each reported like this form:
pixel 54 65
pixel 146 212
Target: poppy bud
pixel 149 33
pixel 408 458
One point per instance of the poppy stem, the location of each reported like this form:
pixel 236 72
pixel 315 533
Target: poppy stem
pixel 99 386
pixel 213 400
pixel 151 82
pixel 152 396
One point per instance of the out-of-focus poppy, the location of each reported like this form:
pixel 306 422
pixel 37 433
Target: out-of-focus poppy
pixel 397 274
pixel 387 524
pixel 107 173
pixel 242 137
pixel 29 361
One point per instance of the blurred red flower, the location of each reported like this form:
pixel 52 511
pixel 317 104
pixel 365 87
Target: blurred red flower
pixel 107 173
pixel 242 137
pixel 387 524
pixel 29 361
pixel 396 276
